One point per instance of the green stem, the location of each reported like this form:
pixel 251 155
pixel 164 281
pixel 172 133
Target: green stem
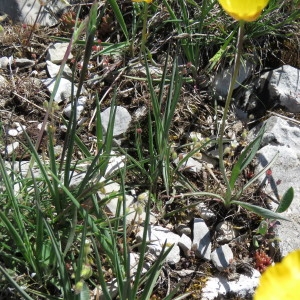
pixel 226 108
pixel 144 30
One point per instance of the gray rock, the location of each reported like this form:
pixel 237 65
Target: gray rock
pixel 116 162
pixel 11 148
pixel 53 70
pixel 113 203
pixel 135 211
pixel 225 232
pixel 4 62
pixel 185 243
pixel 284 85
pixel 140 112
pixel 139 70
pixel 23 62
pixel 56 52
pixel 76 179
pixel 40 125
pixel 222 257
pixel 112 288
pixel 80 108
pixel 134 261
pixel 283 138
pixel 190 164
pixel 202 239
pixel 22 167
pixel 13 132
pixel 26 11
pixel 280 132
pixel 18 126
pixel 183 229
pixel 205 212
pixel 221 81
pixel 64 89
pixel 219 286
pixel 122 120
pixel 156 237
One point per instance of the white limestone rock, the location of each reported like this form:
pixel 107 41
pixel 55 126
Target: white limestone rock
pixel 222 257
pixel 156 237
pixel 122 120
pixel 225 232
pixel 64 91
pixel 190 164
pixel 219 286
pixel 79 108
pixel 56 52
pixel 27 11
pixel 11 148
pixel 284 85
pixel 221 81
pixel 4 62
pixel 53 70
pixel 283 138
pixel 202 239
pixel 185 243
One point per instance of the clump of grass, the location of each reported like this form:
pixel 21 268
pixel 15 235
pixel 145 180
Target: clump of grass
pixel 57 241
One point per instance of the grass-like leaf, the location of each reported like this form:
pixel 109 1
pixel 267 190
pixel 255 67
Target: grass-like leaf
pixel 18 288
pixel 119 17
pixel 64 278
pixel 245 158
pixel 286 200
pixel 263 212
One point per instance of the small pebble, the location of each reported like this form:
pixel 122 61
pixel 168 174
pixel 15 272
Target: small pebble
pixel 13 132
pixel 11 148
pixel 3 62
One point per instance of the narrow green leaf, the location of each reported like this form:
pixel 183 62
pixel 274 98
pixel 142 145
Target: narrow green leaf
pixel 18 288
pixel 286 200
pixel 100 272
pixel 245 157
pixel 265 213
pixel 85 292
pixel 119 16
pixel 153 273
pixel 63 273
pixel 263 228
pixel 15 236
pixel 217 57
pixel 183 296
pixel 261 172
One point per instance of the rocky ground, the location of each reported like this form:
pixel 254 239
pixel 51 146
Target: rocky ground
pixel 218 253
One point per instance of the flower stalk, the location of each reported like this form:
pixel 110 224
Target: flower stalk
pixel 144 30
pixel 236 68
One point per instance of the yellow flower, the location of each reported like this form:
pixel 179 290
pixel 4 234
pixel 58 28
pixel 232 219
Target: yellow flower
pixel 244 10
pixel 148 1
pixel 281 281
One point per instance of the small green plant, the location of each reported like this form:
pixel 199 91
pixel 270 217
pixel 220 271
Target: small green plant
pixel 250 151
pixel 57 239
pixel 265 233
pixel 64 247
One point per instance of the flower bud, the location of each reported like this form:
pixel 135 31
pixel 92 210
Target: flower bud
pixel 86 272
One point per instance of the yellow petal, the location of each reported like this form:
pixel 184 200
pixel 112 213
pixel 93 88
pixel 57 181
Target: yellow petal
pixel 244 10
pixel 281 281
